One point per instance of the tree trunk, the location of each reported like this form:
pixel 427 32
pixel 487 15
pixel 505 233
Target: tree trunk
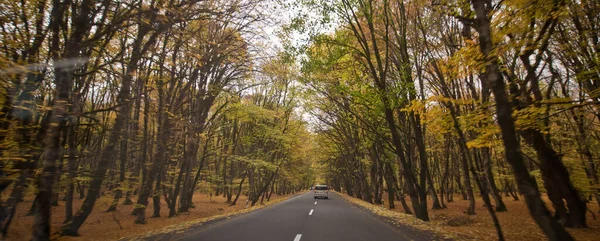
pixel 188 203
pixel 52 148
pixel 492 78
pixel 122 163
pixel 267 183
pixel 164 135
pixel 500 206
pixel 237 195
pixel 479 180
pixel 465 159
pixel 415 191
pixel 13 200
pixel 156 195
pixel 109 151
pixel 390 182
pixel 556 178
pixel 172 204
pixel 72 173
pixel 436 201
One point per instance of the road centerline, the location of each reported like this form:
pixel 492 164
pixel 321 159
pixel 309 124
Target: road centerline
pixel 251 226
pixel 315 203
pixel 298 237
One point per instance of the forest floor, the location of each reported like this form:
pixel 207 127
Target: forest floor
pixel 115 225
pixel 452 222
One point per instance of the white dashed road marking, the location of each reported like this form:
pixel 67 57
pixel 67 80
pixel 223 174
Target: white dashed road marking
pixel 311 211
pixel 315 203
pixel 298 236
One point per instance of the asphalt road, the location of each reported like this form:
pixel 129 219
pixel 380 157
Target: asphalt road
pixel 302 218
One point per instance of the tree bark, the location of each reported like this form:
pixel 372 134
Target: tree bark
pixel 109 151
pixel 122 163
pixel 492 79
pixel 57 121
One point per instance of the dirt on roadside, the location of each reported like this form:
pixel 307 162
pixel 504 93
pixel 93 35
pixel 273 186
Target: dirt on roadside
pixel 102 226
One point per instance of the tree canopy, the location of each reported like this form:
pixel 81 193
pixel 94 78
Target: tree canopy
pixel 150 102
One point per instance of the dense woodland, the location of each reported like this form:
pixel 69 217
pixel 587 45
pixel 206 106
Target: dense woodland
pixel 144 101
pixel 460 99
pixel 149 101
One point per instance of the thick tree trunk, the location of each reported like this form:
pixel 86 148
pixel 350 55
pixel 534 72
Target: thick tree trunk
pixel 436 201
pixel 267 182
pixel 556 178
pixel 81 190
pixel 460 186
pixel 445 184
pixel 108 154
pixel 400 196
pixel 415 191
pixel 122 163
pixel 271 192
pixel 63 82
pixel 109 151
pixel 156 195
pixel 465 160
pixel 185 206
pixel 172 204
pixel 15 196
pixel 493 79
pixel 41 227
pixel 239 191
pixel 374 174
pixel 480 181
pixel 72 172
pixel 164 136
pixel 391 183
pixel 500 206
pixel 59 167
pixel 231 173
pixel 419 133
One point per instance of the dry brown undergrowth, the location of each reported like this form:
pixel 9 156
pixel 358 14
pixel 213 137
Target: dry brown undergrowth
pixel 452 222
pixel 103 226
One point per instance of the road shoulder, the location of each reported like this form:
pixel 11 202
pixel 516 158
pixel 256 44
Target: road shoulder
pixel 410 226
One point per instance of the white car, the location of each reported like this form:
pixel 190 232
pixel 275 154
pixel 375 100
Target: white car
pixel 321 191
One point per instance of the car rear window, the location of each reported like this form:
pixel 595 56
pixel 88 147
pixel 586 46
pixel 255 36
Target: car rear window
pixel 321 188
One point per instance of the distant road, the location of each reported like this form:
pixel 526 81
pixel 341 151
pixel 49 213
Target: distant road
pixel 302 218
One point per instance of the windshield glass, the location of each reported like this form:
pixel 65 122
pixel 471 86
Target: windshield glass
pixel 321 188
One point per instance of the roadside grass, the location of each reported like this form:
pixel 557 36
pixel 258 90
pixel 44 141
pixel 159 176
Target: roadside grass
pixel 101 226
pixel 452 222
